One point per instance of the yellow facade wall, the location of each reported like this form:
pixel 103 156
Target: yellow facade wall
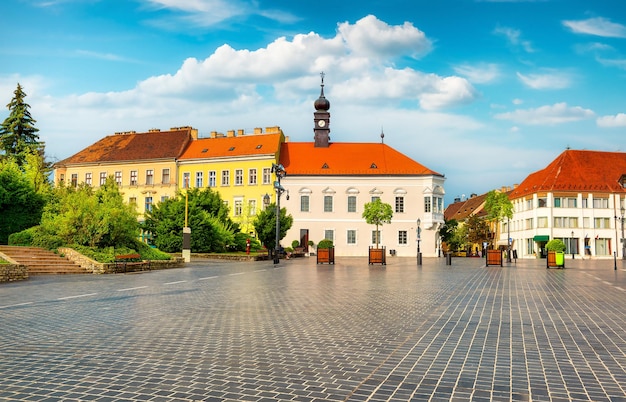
pixel 136 185
pixel 241 191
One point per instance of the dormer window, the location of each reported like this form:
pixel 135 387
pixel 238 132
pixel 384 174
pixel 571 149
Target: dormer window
pixel 231 148
pixel 325 166
pixel 622 181
pixel 373 166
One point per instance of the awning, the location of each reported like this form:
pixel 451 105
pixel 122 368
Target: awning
pixel 541 238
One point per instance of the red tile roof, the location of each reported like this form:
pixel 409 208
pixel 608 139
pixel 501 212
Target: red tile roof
pixel 224 147
pixel 134 147
pixel 575 171
pixel 359 159
pixel 462 210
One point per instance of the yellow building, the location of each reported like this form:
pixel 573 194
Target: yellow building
pixel 142 164
pixel 238 166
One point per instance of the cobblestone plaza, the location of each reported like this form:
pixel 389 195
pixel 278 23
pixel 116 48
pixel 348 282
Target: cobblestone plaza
pixel 297 331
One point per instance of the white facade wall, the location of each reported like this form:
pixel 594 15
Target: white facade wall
pixel 413 189
pixel 590 229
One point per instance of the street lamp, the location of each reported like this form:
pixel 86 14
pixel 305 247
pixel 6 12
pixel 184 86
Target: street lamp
pixel 266 201
pixel 280 172
pixel 419 238
pixel 508 240
pixel 571 244
pixel 623 210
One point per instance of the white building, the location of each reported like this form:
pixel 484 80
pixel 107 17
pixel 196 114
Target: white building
pixel 578 198
pixel 329 183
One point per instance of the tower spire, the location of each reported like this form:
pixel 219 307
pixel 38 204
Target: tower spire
pixel 321 118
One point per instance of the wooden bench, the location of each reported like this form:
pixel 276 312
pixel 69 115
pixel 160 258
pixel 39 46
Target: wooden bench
pixel 298 252
pixel 123 261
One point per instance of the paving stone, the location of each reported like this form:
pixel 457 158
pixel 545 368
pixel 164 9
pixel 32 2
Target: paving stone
pixel 292 331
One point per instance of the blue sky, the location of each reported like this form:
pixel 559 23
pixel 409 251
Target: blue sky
pixel 483 91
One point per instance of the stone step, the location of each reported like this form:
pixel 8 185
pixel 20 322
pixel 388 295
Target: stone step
pixel 40 261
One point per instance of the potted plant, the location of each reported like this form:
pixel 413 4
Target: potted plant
pixel 377 213
pixel 556 254
pixel 325 252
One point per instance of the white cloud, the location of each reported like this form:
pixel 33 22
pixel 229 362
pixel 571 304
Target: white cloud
pixel 514 37
pixel 204 13
pixel 480 74
pixel 619 63
pixel 372 37
pixel 430 90
pixel 271 85
pixel 551 80
pixel 618 120
pixel 517 101
pixel 597 26
pixel 558 113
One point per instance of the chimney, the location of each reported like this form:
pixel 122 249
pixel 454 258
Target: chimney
pixel 154 130
pixel 213 134
pixel 240 132
pixel 258 130
pixel 230 133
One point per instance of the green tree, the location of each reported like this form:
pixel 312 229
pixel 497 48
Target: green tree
pixel 450 235
pixel 265 226
pixel 21 206
pixel 498 207
pixel 83 217
pixel 18 134
pixel 377 213
pixel 211 228
pixel 477 230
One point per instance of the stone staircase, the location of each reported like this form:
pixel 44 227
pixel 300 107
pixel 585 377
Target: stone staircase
pixel 40 261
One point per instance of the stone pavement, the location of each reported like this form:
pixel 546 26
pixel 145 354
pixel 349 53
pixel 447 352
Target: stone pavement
pixel 296 331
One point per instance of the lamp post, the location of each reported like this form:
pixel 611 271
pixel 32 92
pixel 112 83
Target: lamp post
pixel 623 210
pixel 508 240
pixel 572 244
pixel 280 172
pixel 419 238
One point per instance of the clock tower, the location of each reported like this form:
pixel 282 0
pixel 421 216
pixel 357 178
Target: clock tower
pixel 321 119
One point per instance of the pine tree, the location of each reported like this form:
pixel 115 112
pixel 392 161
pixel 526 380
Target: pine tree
pixel 18 135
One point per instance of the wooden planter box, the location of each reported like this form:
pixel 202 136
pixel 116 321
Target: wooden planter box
pixel 555 260
pixel 494 257
pixel 377 256
pixel 326 255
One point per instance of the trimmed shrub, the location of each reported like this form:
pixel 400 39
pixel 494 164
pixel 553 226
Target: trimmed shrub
pixel 325 244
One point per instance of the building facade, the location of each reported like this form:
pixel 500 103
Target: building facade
pixel 144 165
pixel 238 166
pixel 328 184
pixel 578 198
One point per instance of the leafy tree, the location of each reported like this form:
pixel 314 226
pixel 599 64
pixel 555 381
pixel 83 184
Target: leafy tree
pixel 18 135
pixel 211 228
pixel 83 217
pixel 452 235
pixel 21 205
pixel 377 213
pixel 265 226
pixel 477 230
pixel 498 207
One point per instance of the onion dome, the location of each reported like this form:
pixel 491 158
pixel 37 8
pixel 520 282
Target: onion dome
pixel 322 104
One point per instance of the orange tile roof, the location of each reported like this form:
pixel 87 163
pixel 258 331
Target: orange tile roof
pixel 133 147
pixel 224 147
pixel 575 171
pixel 462 210
pixel 303 158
